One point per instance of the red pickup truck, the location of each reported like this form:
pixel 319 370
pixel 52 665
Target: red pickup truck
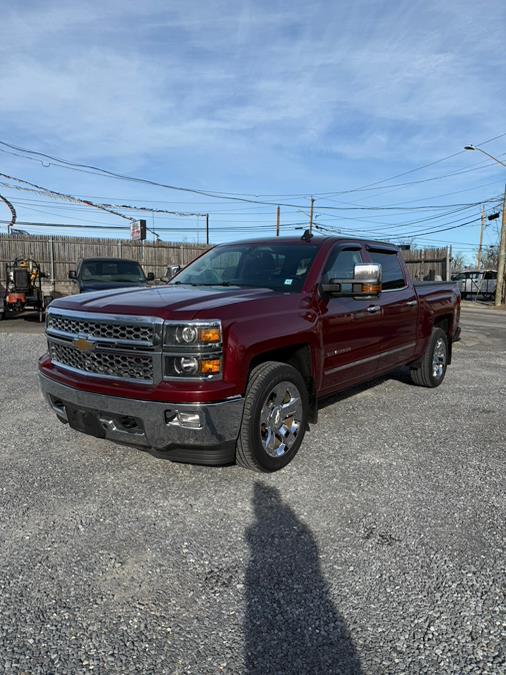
pixel 229 360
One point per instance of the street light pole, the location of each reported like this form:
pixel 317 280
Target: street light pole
pixel 502 239
pixel 473 147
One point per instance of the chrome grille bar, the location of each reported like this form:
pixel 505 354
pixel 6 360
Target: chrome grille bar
pixel 127 330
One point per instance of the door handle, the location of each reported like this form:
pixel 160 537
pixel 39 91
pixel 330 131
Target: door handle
pixel 372 309
pixel 412 303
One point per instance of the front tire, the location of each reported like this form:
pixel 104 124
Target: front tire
pixel 431 370
pixel 274 419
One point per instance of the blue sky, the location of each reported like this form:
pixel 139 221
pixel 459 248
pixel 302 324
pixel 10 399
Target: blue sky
pixel 259 98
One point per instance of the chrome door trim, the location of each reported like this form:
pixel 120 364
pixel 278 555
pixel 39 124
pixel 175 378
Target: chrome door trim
pixel 370 358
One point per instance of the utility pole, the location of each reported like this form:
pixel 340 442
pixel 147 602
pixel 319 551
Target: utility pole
pixel 311 216
pixel 207 229
pixel 278 215
pixel 502 256
pixel 482 230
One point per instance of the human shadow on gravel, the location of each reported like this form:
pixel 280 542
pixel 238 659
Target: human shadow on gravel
pixel 291 624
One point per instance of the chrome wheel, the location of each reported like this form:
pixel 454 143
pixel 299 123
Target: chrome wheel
pixel 439 359
pixel 281 419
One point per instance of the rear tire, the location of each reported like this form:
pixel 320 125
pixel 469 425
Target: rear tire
pixel 431 370
pixel 274 419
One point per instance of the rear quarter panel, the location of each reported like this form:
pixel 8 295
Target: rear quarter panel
pixel 437 302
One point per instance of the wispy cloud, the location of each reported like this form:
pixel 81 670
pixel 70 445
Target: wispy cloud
pixel 360 80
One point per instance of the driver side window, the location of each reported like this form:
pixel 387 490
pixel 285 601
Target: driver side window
pixel 341 264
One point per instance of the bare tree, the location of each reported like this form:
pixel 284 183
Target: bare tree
pixel 490 257
pixel 458 263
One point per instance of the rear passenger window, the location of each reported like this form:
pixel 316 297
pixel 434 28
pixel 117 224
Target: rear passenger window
pixel 393 276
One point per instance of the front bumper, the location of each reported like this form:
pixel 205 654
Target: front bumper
pixel 187 432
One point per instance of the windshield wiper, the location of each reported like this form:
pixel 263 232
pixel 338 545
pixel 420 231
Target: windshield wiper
pixel 187 283
pixel 226 284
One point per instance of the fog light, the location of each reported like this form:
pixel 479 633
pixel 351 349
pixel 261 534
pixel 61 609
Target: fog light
pixel 189 420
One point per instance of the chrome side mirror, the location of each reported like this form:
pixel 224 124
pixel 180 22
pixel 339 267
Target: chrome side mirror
pixel 366 282
pixel 172 270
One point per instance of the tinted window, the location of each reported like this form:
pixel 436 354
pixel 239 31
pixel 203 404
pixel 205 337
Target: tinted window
pixel 490 275
pixel 392 275
pixel 341 265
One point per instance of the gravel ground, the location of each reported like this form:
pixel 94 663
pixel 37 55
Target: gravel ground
pixel 378 550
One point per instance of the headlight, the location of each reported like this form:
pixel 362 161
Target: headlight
pixel 202 367
pixel 187 334
pixel 200 334
pixel 192 350
pixel 186 365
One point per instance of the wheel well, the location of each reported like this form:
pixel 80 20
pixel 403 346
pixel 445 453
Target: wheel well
pixel 445 322
pixel 298 356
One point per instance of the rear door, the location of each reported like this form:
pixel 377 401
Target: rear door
pixel 350 327
pixel 399 309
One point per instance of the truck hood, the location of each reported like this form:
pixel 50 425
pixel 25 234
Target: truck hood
pixel 167 302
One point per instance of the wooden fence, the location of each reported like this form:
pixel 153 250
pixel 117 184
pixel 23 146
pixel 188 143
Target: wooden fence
pixel 57 255
pixel 429 263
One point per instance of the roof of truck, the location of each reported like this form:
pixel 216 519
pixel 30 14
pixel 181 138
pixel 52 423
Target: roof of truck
pixel 315 239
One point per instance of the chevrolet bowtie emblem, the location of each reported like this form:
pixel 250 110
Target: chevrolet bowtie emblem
pixel 84 345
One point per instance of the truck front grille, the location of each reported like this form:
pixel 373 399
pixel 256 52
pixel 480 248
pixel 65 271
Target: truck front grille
pixel 122 347
pixel 135 366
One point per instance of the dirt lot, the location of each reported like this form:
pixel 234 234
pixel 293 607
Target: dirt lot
pixel 378 550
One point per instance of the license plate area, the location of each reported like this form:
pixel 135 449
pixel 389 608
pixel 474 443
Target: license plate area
pixel 86 421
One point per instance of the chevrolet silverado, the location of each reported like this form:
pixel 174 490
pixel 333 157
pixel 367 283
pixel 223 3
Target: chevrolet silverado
pixel 228 362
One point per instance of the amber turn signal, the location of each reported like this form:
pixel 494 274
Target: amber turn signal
pixel 210 367
pixel 209 334
pixel 373 289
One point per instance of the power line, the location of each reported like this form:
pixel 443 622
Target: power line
pixel 87 168
pixel 232 195
pixel 61 195
pixel 100 206
pixel 161 229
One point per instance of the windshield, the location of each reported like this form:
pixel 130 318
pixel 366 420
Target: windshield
pixel 282 267
pixel 112 271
